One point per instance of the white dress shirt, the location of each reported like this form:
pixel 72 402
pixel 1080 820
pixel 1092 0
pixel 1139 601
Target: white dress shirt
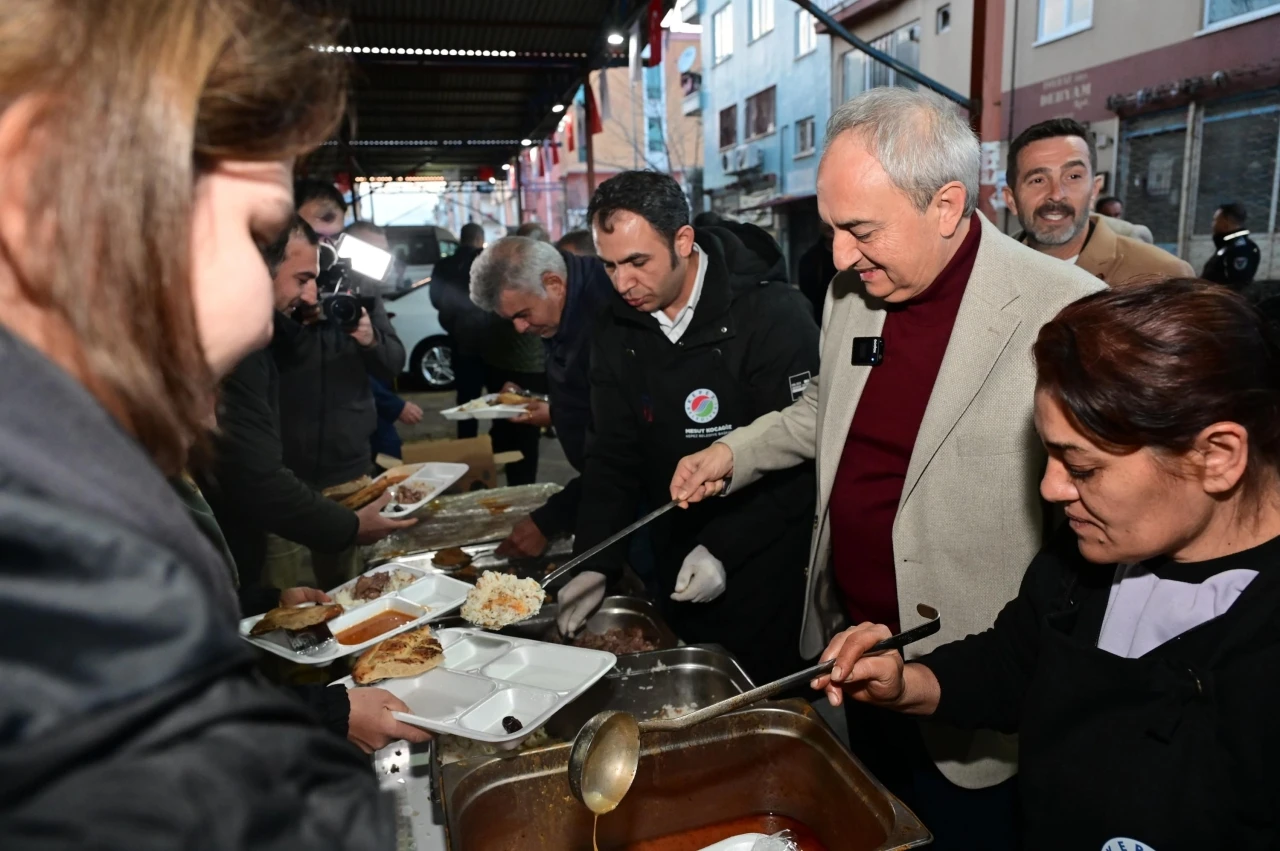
pixel 675 328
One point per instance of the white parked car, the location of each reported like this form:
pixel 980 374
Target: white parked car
pixel 429 350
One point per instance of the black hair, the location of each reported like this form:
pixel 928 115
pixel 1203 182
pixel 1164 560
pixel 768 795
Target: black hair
pixel 1235 211
pixel 275 252
pixel 1104 201
pixel 707 219
pixel 652 196
pixel 534 230
pixel 1054 128
pixel 309 189
pixel 360 226
pixel 471 235
pixel 577 242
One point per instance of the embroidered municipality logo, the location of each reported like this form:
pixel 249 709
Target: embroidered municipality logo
pixel 702 406
pixel 1124 843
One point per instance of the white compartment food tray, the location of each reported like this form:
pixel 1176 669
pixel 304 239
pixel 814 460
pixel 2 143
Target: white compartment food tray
pixel 742 842
pixel 438 476
pixel 433 596
pixel 483 408
pixel 486 677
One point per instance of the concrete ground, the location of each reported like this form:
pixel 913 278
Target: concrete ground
pixel 552 465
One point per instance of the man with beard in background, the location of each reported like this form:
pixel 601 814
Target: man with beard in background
pixel 1052 182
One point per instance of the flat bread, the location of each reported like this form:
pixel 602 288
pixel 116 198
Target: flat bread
pixel 513 399
pixel 405 655
pixel 294 618
pixel 451 557
pixel 373 490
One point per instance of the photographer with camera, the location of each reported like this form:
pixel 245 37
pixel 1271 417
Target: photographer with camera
pixel 326 351
pixel 266 512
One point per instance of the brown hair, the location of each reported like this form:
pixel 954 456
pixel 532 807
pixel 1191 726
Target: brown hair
pixel 131 100
pixel 1153 364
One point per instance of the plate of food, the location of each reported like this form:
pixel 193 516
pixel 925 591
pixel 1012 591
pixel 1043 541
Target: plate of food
pixel 423 485
pixel 468 683
pixel 493 406
pixel 383 602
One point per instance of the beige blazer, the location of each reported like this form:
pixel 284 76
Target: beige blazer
pixel 969 520
pixel 1118 259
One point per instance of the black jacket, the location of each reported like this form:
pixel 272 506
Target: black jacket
pixel 1235 262
pixel 752 340
pixel 461 319
pixel 251 490
pixel 568 356
pixel 327 413
pixel 132 716
pixel 816 269
pixel 1174 749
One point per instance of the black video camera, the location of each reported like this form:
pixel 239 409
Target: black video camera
pixel 342 268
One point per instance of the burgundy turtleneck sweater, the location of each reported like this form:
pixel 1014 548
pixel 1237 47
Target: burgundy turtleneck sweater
pixel 873 467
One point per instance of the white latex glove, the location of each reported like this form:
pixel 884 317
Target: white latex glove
pixel 701 577
pixel 578 601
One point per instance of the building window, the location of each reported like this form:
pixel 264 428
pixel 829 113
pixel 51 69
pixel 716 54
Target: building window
pixel 860 72
pixel 729 126
pixel 804 137
pixel 760 113
pixel 1219 11
pixel 655 135
pixel 806 33
pixel 722 34
pixel 944 18
pixel 653 83
pixel 761 18
pixel 1061 18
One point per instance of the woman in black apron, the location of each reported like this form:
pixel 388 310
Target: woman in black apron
pixel 1139 661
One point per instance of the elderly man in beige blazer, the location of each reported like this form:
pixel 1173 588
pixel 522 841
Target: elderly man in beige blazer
pixel 898 181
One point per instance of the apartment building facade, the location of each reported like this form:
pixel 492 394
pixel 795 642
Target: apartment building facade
pixel 1182 96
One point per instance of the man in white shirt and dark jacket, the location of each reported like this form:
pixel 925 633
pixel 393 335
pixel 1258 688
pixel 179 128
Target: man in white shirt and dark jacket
pixel 705 334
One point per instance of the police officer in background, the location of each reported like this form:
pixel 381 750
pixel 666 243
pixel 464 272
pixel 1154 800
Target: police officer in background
pixel 703 335
pixel 1236 261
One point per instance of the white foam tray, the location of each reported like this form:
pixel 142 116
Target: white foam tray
pixel 485 677
pixel 475 410
pixel 742 842
pixel 437 475
pixel 433 596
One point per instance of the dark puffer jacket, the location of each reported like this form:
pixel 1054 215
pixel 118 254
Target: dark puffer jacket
pixel 131 715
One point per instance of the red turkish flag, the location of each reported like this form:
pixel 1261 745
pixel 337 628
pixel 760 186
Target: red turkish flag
pixel 594 124
pixel 484 173
pixel 655 33
pixel 568 131
pixel 555 149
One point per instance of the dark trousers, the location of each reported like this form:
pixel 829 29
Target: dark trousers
pixel 507 435
pixel 468 380
pixel 890 746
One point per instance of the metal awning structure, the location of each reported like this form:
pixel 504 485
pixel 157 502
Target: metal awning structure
pixel 450 86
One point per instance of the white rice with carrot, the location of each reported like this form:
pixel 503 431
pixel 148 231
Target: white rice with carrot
pixel 499 600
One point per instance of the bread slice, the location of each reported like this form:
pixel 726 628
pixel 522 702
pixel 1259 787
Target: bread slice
pixel 372 491
pixel 405 655
pixel 294 618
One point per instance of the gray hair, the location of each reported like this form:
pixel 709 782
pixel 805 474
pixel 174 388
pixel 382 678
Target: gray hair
pixel 513 263
pixel 920 140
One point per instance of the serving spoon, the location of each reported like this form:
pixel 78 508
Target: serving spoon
pixel 606 751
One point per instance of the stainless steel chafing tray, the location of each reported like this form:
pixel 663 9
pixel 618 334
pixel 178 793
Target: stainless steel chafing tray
pixel 777 759
pixel 619 611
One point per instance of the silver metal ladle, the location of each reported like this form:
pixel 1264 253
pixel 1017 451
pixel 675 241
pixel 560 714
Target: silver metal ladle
pixel 606 751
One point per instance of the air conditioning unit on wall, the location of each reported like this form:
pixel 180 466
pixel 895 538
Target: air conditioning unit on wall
pixel 742 158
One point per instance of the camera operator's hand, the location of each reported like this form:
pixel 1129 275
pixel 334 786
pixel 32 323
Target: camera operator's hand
pixel 363 332
pixel 373 526
pixel 411 414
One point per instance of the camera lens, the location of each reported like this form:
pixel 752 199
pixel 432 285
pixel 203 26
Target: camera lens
pixel 343 309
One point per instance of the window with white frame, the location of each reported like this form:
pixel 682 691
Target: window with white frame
pixel 729 126
pixel 761 18
pixel 806 33
pixel 722 34
pixel 805 138
pixel 1222 11
pixel 860 72
pixel 761 113
pixel 1061 18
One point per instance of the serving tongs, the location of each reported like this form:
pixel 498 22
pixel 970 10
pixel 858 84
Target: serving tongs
pixel 577 561
pixel 606 752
